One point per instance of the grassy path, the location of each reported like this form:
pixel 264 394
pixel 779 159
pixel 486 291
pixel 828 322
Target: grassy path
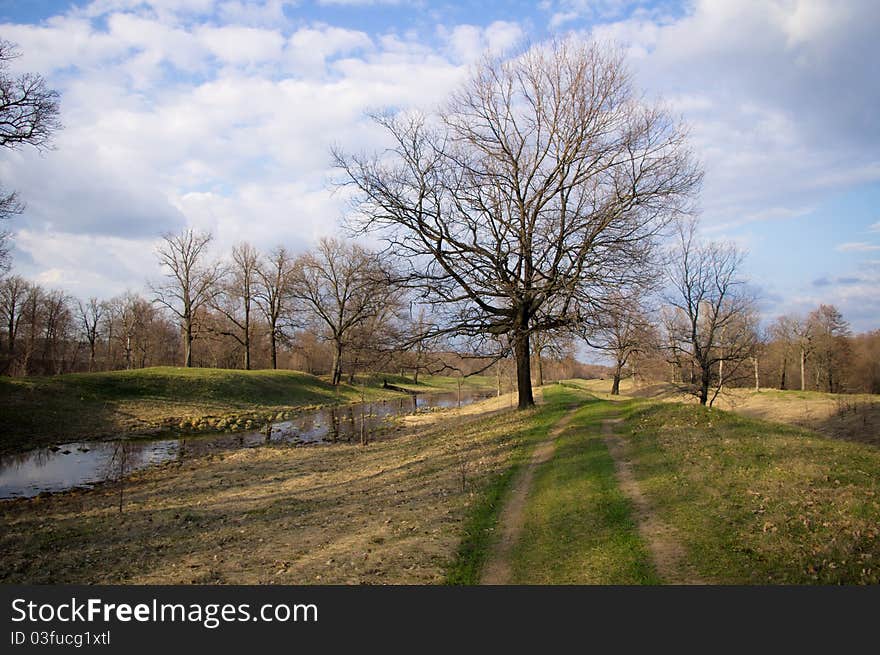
pixel 641 492
pixel 667 553
pixel 497 570
pixel 578 525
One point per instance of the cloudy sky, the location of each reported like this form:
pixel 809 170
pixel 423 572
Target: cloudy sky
pixel 219 114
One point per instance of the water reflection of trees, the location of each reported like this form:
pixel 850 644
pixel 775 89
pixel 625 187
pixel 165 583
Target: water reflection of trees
pixel 113 461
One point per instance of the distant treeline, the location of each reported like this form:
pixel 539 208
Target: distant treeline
pixel 340 310
pixel 816 352
pixel 330 311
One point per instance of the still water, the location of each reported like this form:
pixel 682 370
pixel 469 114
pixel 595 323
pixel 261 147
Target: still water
pixel 85 463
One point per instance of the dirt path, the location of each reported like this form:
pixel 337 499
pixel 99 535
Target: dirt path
pixel 497 569
pixel 669 556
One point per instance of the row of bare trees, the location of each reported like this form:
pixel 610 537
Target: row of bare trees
pixel 338 290
pixel 697 326
pixel 339 307
pixel 334 309
pixel 49 332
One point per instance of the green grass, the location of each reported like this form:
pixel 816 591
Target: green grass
pixel 480 524
pixel 756 502
pixel 751 501
pixel 578 525
pixel 42 410
pixel 443 382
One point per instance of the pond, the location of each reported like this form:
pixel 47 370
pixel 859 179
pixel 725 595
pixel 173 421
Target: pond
pixel 86 463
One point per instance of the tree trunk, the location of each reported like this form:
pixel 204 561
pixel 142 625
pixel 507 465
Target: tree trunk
pixel 187 344
pixel 523 364
pixel 128 364
pixel 803 362
pixel 757 385
pixel 247 337
pixel 274 348
pixel 337 363
pixel 704 385
pixel 540 371
pixel 109 359
pixel 416 375
pixel 11 332
pixel 782 377
pixel 615 386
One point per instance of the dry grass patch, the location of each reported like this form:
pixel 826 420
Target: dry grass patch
pixel 852 417
pixel 387 513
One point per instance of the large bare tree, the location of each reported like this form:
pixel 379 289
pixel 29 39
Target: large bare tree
pixel 711 328
pixel 538 188
pixel 190 281
pixel 28 116
pixel 342 286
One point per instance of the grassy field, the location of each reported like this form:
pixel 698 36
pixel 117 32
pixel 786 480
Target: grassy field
pixel 748 501
pixel 42 410
pixel 760 502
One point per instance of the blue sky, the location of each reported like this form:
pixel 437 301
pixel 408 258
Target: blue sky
pixel 219 114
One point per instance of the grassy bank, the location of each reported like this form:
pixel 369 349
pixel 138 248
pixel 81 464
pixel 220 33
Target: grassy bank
pixel 43 410
pixel 448 383
pixel 578 524
pixel 759 502
pixel 852 417
pixel 749 501
pixel 392 512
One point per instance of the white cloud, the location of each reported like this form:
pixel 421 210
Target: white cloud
pixel 365 3
pixel 309 48
pixel 86 265
pixel 560 18
pixel 565 11
pixel 246 12
pixel 857 246
pixel 777 94
pixel 467 43
pixel 163 9
pixel 241 45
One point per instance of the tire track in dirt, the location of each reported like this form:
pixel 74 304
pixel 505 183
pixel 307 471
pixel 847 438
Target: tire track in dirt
pixel 667 553
pixel 497 568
